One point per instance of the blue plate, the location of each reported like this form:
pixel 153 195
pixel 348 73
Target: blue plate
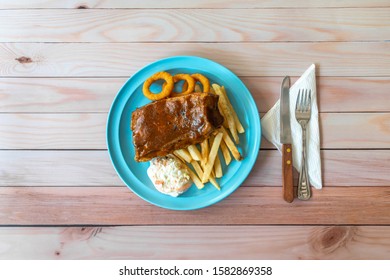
pixel 121 149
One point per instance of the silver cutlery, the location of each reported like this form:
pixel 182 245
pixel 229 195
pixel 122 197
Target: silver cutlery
pixel 302 114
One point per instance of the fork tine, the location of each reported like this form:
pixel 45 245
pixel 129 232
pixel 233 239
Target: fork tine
pixel 306 101
pixel 303 101
pixel 309 103
pixel 297 104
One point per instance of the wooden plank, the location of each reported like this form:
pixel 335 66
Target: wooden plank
pixel 246 206
pixel 57 168
pixel 222 25
pixel 88 131
pixel 53 131
pixel 210 242
pixel 377 127
pixel 93 168
pixel 58 95
pixel 254 59
pixel 74 95
pixel 335 94
pixel 339 168
pixel 74 4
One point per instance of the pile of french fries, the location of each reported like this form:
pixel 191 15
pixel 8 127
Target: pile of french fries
pixel 204 158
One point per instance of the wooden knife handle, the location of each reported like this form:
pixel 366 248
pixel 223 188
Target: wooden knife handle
pixel 287 169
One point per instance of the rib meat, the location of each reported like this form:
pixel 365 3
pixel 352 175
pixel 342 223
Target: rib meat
pixel 169 124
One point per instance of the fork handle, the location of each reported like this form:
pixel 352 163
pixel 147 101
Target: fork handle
pixel 304 192
pixel 287 167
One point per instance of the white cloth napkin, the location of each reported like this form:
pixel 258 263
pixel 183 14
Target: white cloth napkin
pixel 271 128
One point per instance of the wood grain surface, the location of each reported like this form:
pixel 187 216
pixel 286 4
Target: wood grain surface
pixel 213 242
pixel 93 168
pixel 254 59
pixel 95 95
pixel 174 25
pixel 246 206
pixel 62 64
pixel 199 4
pixel 88 131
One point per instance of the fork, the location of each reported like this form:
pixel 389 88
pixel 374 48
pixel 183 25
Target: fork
pixel 302 114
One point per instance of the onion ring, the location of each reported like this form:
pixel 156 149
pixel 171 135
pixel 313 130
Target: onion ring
pixel 166 89
pixel 188 80
pixel 201 79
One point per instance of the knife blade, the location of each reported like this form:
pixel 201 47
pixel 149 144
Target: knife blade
pixel 285 139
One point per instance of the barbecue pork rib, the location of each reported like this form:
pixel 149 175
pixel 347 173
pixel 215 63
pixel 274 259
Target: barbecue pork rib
pixel 163 126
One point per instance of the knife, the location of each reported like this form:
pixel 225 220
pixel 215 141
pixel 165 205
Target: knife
pixel 285 139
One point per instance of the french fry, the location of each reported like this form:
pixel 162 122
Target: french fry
pixel 239 126
pixel 225 123
pixel 211 140
pixel 179 157
pixel 215 183
pixel 224 107
pixel 194 152
pixel 205 151
pixel 218 167
pixel 213 154
pixel 229 142
pixel 197 88
pixel 197 168
pixel 226 153
pixel 183 154
pixel 195 179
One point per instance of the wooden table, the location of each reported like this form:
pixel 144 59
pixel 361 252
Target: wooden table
pixel 62 63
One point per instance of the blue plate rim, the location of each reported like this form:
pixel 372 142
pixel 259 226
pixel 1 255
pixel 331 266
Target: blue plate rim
pixel 112 151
